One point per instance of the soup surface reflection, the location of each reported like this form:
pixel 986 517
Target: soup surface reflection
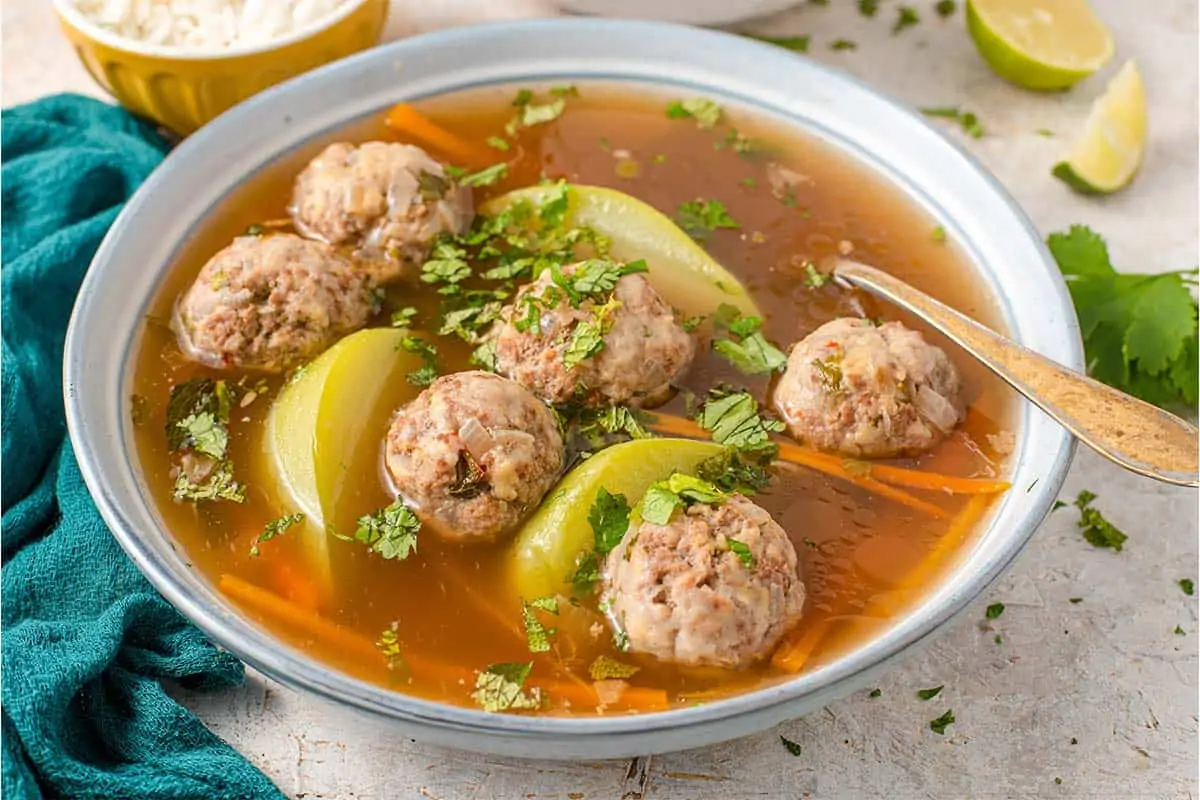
pixel 774 207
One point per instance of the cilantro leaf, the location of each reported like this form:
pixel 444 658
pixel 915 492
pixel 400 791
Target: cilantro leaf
pixel 428 373
pixel 207 436
pixel 1096 529
pixel 193 398
pixel 994 610
pixel 700 217
pixel 940 724
pixel 706 112
pixel 500 687
pixel 868 8
pixel 797 44
pixel 945 8
pixel 403 317
pixel 605 668
pixel 906 17
pixel 1188 587
pixel 733 420
pixel 219 484
pixel 586 341
pixel 749 351
pixel 486 176
pixel 664 497
pixel 537 636
pixel 609 518
pixel 587 572
pixel 967 120
pixel 791 746
pixel 735 471
pixel 929 694
pixel 391 532
pixel 658 504
pixel 274 528
pixel 814 278
pixel 742 551
pixel 389 646
pixel 597 424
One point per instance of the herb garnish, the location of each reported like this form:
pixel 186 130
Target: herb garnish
pixel 700 218
pixel 814 278
pixel 906 17
pixel 428 353
pixel 678 491
pixel 486 176
pixel 1096 529
pixel 791 746
pixel 748 349
pixel 609 519
pixel 966 119
pixel 797 44
pixel 500 687
pixel 197 427
pixel 843 44
pixel 945 8
pixel 403 318
pixel 939 725
pixel 389 646
pixel 736 471
pixel 1188 587
pixel 929 694
pixel 537 635
pixel 498 143
pixel 868 8
pixel 1139 331
pixel 706 112
pixel 391 532
pixel 742 551
pixel 875 693
pixel 994 610
pixel 219 484
pixel 274 528
pixel 733 420
pixel 605 668
pixel 530 113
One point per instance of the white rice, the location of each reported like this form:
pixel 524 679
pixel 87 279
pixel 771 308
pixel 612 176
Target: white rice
pixel 206 25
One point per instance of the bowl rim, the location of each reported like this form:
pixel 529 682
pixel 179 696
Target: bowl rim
pixel 68 11
pixel 557 737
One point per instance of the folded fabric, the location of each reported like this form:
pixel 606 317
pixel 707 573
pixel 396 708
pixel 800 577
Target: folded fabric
pixel 86 640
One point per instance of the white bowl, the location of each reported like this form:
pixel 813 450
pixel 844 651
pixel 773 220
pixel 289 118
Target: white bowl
pixel 1004 248
pixel 687 12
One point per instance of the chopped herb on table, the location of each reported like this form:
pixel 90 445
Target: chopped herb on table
pixel 797 44
pixel 945 8
pixel 1188 587
pixel 994 610
pixel 1139 331
pixel 274 528
pixel 1180 631
pixel 906 17
pixel 875 693
pixel 929 694
pixel 791 746
pixel 1074 600
pixel 940 724
pixel 1096 529
pixel 868 8
pixel 842 44
pixel 966 119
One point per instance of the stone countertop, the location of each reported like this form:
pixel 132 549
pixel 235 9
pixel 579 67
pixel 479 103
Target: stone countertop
pixel 1101 693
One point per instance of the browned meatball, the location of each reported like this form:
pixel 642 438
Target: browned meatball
pixel 644 349
pixel 388 200
pixel 269 302
pixel 681 594
pixel 474 454
pixel 862 390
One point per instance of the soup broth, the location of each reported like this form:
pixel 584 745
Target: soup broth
pixel 426 625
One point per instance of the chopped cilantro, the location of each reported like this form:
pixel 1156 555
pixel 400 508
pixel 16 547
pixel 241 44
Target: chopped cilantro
pixel 389 646
pixel 605 668
pixel 218 485
pixel 663 498
pixel 706 112
pixel 1045 132
pixel 1074 600
pixel 498 143
pixel 738 142
pixel 427 373
pixel 939 234
pixel 530 113
pixel 432 187
pixel 391 532
pixel 742 551
pixel 586 341
pixel 609 519
pixel 843 44
pixel 254 230
pixel 966 119
pixel 868 8
pixel 447 264
pixel 594 278
pixel 403 318
pixel 658 158
pixel 597 423
pixel 791 746
pixel 1057 505
pixel 945 8
pixel 194 398
pixel 929 694
pixel 734 421
pixel 537 635
pixel 797 44
pixel 940 724
pixel 749 351
pixel 876 693
pixel 621 640
pixel 735 471
pixel 700 218
pixel 1139 331
pixel 1187 586
pixel 1180 631
pixel 486 176
pixel 206 435
pixel 275 528
pixel 814 278
pixel 659 504
pixel 690 324
pixel 906 17
pixel 994 610
pixel 484 356
pixel 1096 529
pixel 587 572
pixel 1058 781
pixel 997 639
pixel 829 373
pixel 500 687
pixel 749 182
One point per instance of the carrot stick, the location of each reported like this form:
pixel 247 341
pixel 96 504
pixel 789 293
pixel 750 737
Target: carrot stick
pixel 792 655
pixel 957 531
pixel 405 119
pixel 583 695
pixel 951 484
pixel 830 465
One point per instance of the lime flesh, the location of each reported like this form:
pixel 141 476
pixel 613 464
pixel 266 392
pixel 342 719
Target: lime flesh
pixel 1109 153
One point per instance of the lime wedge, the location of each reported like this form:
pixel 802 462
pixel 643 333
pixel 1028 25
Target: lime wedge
pixel 1108 155
pixel 546 549
pixel 1042 45
pixel 684 274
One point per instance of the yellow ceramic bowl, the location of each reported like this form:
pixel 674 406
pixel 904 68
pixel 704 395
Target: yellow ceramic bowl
pixel 183 90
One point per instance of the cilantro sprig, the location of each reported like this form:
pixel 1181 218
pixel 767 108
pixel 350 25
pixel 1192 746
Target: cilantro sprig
pixel 745 347
pixel 390 532
pixel 1139 331
pixel 664 498
pixel 1096 529
pixel 700 218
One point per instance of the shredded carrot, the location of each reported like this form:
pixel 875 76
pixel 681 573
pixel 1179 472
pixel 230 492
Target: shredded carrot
pixel 821 462
pixel 293 584
pixel 958 530
pixel 951 484
pixel 796 649
pixel 405 119
pixel 583 695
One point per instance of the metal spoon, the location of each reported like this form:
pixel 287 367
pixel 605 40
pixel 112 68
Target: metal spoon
pixel 1129 432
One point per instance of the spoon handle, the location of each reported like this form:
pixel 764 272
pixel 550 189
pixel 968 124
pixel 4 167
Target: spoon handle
pixel 1132 433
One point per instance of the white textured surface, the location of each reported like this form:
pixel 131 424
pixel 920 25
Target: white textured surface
pixel 1108 671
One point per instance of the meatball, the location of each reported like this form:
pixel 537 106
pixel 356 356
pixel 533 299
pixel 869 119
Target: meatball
pixel 388 200
pixel 643 349
pixel 268 302
pixel 862 390
pixel 681 594
pixel 474 454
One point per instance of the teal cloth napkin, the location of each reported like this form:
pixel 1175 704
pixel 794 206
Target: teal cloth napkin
pixel 86 640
